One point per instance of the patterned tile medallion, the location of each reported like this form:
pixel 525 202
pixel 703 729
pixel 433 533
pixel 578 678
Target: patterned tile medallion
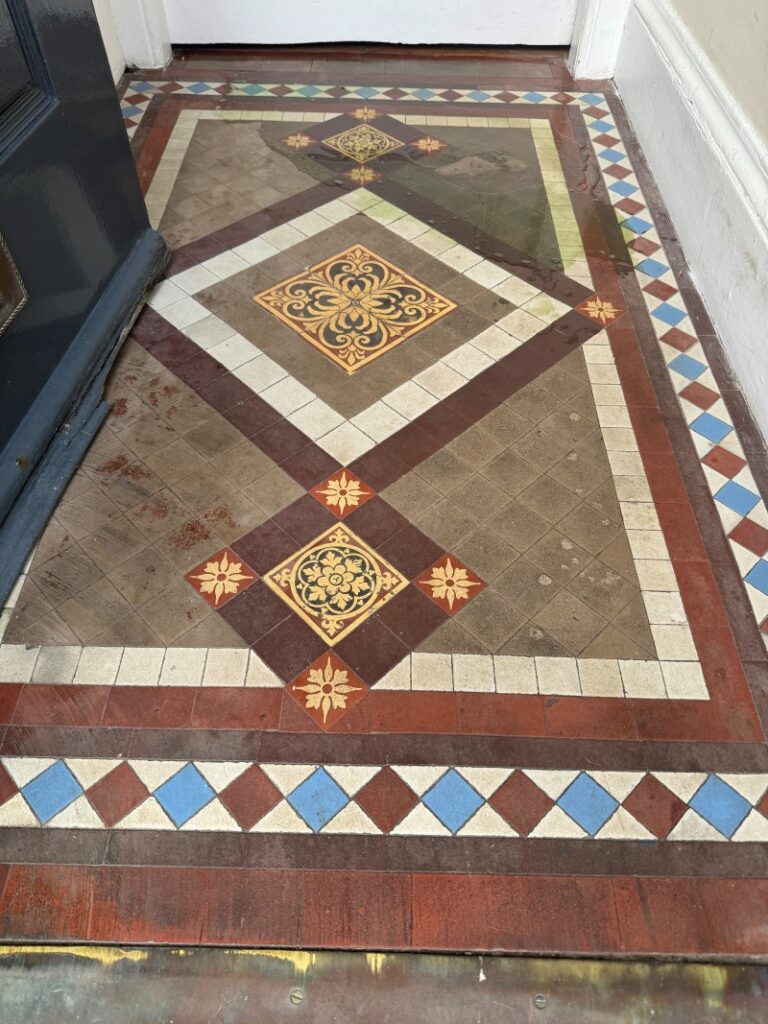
pixel 342 493
pixel 362 143
pixel 450 584
pixel 221 577
pixel 335 583
pixel 327 690
pixel 354 306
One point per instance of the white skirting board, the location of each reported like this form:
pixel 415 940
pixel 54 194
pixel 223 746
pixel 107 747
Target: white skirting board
pixel 712 171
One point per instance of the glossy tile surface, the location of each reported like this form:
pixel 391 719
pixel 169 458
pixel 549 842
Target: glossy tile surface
pixel 424 545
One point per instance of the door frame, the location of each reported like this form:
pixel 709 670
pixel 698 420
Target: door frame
pixel 142 28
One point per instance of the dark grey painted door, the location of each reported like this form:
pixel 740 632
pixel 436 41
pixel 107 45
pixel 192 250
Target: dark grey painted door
pixel 76 256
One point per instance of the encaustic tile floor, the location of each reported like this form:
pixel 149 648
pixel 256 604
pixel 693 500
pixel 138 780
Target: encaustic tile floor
pixel 413 594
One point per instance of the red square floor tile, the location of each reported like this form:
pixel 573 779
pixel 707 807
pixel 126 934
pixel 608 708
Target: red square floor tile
pixel 250 797
pixel 521 803
pixel 655 806
pixel 117 794
pixel 386 799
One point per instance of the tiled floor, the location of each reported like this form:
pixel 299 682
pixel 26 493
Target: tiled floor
pixel 414 592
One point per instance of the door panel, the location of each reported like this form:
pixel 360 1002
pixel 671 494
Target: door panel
pixel 71 217
pixel 505 22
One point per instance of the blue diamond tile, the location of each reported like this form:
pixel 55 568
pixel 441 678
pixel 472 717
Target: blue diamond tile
pixel 587 803
pixel 253 90
pixel 720 805
pixel 452 800
pixel 758 576
pixel 51 791
pixel 637 224
pixel 739 499
pixel 593 99
pixel 669 314
pixel 309 90
pixel 478 95
pixel 622 188
pixel 318 799
pixel 534 97
pixel 652 268
pixel 142 87
pixel 198 87
pixel 687 366
pixel 602 126
pixel 131 111
pixel 184 794
pixel 711 427
pixel 423 94
pixel 613 156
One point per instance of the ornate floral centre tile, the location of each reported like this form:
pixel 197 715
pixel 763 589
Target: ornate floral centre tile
pixel 450 584
pixel 362 143
pixel 354 306
pixel 221 577
pixel 327 690
pixel 335 583
pixel 342 493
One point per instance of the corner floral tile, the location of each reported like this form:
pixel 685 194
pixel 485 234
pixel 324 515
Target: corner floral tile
pixel 221 577
pixel 450 584
pixel 429 144
pixel 342 493
pixel 600 309
pixel 354 306
pixel 327 690
pixel 335 583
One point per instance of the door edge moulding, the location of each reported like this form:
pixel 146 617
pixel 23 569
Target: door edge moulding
pixel 60 425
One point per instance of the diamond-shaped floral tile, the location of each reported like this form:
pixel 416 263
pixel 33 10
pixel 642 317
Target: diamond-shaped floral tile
pixel 327 690
pixel 450 584
pixel 221 577
pixel 335 583
pixel 601 309
pixel 342 493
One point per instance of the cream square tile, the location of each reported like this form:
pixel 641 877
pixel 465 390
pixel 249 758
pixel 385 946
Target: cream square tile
pixel 316 418
pixel 440 380
pixel 225 666
pixel 473 673
pixel 345 443
pixel 259 674
pixel 488 274
pixel 183 666
pixel 684 680
pixel 56 664
pixel 410 400
pixel 468 360
pixel 600 677
pixel 431 672
pixel 642 679
pixel 674 643
pixel 140 666
pixel 194 279
pixel 546 308
pixel 98 666
pixel 287 395
pixel 17 662
pixel 495 342
pixel 664 608
pixel 255 251
pixel 234 351
pixel 260 373
pixel 521 325
pixel 558 675
pixel 379 421
pixel 183 313
pixel 225 265
pixel 515 290
pixel 209 332
pixel 515 675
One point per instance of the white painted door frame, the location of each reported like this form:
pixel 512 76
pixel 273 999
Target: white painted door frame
pixel 142 29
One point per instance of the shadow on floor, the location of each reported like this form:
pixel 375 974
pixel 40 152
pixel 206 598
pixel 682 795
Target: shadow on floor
pixel 100 985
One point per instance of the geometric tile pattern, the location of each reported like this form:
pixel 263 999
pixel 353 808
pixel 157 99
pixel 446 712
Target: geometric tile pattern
pixel 335 583
pixel 404 800
pixel 354 306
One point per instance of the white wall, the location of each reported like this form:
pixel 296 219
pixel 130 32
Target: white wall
pixel 710 162
pixel 543 22
pixel 734 36
pixel 112 44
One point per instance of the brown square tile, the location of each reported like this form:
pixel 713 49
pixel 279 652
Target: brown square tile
pixel 525 586
pixel 518 525
pixel 485 552
pixel 479 497
pixel 558 556
pixel 446 523
pixel 476 447
pixel 603 589
pixel 612 643
pixel 213 438
pixel 505 424
pixel 157 515
pixel 411 495
pixel 243 464
pixel 589 528
pixel 451 638
pixel 548 499
pixel 93 609
pixel 65 575
pixel 510 472
pixel 569 622
pixel 578 474
pixel 444 471
pixel 490 620
pixel 86 513
pixel 274 491
pixel 531 641
pixel 540 449
pixel 114 544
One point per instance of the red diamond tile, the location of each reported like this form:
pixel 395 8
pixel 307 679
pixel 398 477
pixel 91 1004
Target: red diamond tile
pixel 327 690
pixel 655 806
pixel 7 785
pixel 751 536
pixel 250 797
pixel 764 631
pixel 597 112
pixel 562 97
pixel 700 395
pixel 644 245
pixel 507 97
pixel 678 339
pixel 630 206
pixel 450 584
pixel 386 799
pixel 723 461
pixel 342 493
pixel 660 290
pixel 221 577
pixel 521 803
pixel 606 140
pixel 117 794
pixel 762 806
pixel 617 171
